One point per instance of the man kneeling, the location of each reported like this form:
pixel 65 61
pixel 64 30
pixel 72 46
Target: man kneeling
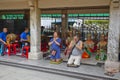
pixel 75 56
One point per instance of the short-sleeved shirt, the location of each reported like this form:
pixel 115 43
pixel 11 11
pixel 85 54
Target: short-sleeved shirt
pixel 24 35
pixel 3 36
pixel 76 51
pixel 54 46
pixel 28 34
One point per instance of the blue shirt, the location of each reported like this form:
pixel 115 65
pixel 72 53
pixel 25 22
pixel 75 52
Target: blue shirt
pixel 3 36
pixel 54 46
pixel 24 36
pixel 28 33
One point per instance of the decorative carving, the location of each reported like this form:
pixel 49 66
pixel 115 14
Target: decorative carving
pixel 115 3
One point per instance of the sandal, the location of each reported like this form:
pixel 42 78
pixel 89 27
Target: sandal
pixel 109 74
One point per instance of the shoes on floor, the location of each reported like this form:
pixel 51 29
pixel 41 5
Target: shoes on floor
pixel 109 74
pixel 72 65
pixel 56 62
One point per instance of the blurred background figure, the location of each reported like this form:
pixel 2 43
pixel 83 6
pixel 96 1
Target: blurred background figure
pixel 102 49
pixel 25 37
pixel 3 40
pixel 88 47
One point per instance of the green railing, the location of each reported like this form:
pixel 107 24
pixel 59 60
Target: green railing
pixel 12 16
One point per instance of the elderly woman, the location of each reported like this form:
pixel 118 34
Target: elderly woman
pixel 54 44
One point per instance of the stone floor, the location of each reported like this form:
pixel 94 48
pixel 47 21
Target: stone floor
pixel 14 73
pixel 89 61
pixel 85 69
